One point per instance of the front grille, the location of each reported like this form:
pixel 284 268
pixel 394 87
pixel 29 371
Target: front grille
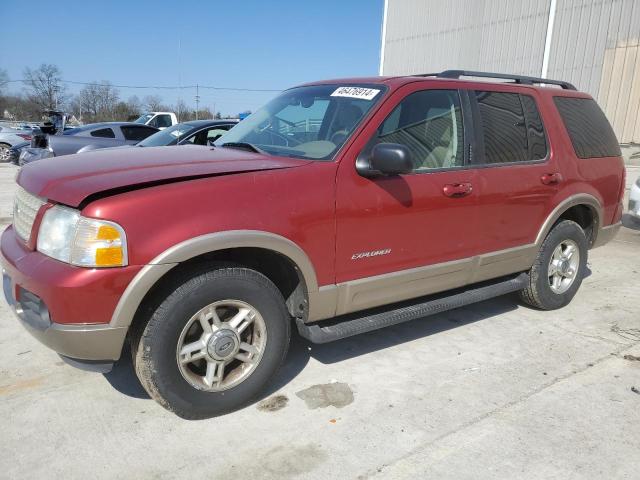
pixel 25 209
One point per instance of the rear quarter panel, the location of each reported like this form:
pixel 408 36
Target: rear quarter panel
pixel 599 177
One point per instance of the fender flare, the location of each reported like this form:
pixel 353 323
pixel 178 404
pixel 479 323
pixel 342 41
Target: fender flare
pixel 566 204
pixel 152 272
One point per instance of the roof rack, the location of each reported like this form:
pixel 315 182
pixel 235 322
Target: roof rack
pixel 522 79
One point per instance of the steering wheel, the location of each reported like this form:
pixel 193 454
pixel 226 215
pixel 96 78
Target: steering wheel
pixel 288 140
pixel 343 132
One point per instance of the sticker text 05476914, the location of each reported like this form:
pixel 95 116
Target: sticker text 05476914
pixel 356 92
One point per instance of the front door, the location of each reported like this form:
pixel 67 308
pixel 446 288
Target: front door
pixel 404 236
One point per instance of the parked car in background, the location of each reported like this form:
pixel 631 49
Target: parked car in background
pixel 195 132
pixel 10 137
pixel 14 152
pixel 634 200
pixel 159 120
pixel 89 137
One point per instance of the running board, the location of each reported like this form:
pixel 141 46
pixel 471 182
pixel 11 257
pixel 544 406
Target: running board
pixel 316 333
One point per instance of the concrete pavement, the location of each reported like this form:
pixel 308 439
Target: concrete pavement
pixel 495 390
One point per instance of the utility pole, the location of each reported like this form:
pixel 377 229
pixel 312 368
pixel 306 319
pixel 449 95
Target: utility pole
pixel 197 101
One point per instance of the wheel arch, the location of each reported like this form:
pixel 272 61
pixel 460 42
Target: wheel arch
pixel 582 208
pixel 254 249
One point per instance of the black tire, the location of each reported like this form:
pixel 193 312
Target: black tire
pixel 154 343
pixel 4 152
pixel 539 293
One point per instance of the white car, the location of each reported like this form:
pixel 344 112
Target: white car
pixel 634 199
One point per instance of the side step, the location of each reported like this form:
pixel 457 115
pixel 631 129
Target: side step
pixel 362 322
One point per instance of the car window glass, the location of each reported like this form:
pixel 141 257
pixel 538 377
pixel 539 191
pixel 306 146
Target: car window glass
pixel 589 130
pixel 216 133
pixel 136 133
pixel 162 121
pixel 312 121
pixel 429 124
pixel 536 139
pixel 104 133
pixel 503 127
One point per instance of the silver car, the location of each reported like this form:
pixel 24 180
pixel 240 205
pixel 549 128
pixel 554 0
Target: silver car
pixel 10 137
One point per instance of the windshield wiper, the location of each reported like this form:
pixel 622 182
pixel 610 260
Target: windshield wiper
pixel 245 146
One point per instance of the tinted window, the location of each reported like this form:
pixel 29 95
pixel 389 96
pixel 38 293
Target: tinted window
pixel 162 121
pixel 137 133
pixel 536 140
pixel 103 132
pixel 588 128
pixel 503 127
pixel 429 123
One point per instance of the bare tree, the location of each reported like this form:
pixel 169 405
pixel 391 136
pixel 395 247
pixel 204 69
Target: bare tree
pixel 153 103
pixel 97 101
pixel 4 80
pixel 135 104
pixel 182 111
pixel 44 86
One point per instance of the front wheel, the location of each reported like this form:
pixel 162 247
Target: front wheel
pixel 559 268
pixel 4 152
pixel 213 344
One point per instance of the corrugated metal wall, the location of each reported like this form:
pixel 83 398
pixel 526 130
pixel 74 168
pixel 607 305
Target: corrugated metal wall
pixel 595 44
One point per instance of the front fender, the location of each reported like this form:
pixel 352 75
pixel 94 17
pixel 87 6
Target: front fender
pixel 188 249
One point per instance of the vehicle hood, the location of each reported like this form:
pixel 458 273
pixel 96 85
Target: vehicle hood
pixel 73 178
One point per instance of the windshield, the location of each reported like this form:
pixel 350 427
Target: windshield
pixel 166 137
pixel 144 118
pixel 306 122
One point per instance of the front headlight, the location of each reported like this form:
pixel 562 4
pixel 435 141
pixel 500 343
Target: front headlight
pixel 69 237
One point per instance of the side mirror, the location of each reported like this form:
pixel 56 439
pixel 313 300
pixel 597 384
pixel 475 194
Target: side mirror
pixel 385 159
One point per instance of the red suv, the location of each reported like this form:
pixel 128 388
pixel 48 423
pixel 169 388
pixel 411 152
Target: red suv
pixel 341 206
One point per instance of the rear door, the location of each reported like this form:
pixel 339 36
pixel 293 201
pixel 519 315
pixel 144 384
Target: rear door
pixel 518 177
pixel 403 236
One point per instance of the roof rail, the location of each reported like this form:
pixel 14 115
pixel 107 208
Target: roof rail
pixel 516 78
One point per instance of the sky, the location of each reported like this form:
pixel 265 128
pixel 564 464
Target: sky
pixel 255 44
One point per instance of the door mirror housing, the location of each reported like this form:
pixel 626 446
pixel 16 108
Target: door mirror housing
pixel 385 159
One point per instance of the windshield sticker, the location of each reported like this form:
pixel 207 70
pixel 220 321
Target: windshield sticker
pixel 356 92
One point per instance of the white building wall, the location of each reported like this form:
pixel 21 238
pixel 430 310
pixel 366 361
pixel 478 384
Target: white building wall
pixel 594 44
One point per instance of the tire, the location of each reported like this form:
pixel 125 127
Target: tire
pixel 183 386
pixel 541 292
pixel 4 152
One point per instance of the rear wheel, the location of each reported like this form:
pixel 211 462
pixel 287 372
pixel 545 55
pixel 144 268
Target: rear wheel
pixel 559 268
pixel 214 343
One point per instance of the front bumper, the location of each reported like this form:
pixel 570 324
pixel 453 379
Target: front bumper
pixel 101 343
pixel 67 308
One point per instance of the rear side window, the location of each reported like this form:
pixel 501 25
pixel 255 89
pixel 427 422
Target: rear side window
pixel 104 133
pixel 588 128
pixel 137 133
pixel 511 127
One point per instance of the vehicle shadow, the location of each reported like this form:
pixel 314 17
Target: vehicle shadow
pixel 123 378
pixel 302 350
pixel 395 335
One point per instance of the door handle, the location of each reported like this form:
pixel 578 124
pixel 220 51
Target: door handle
pixel 457 190
pixel 551 178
